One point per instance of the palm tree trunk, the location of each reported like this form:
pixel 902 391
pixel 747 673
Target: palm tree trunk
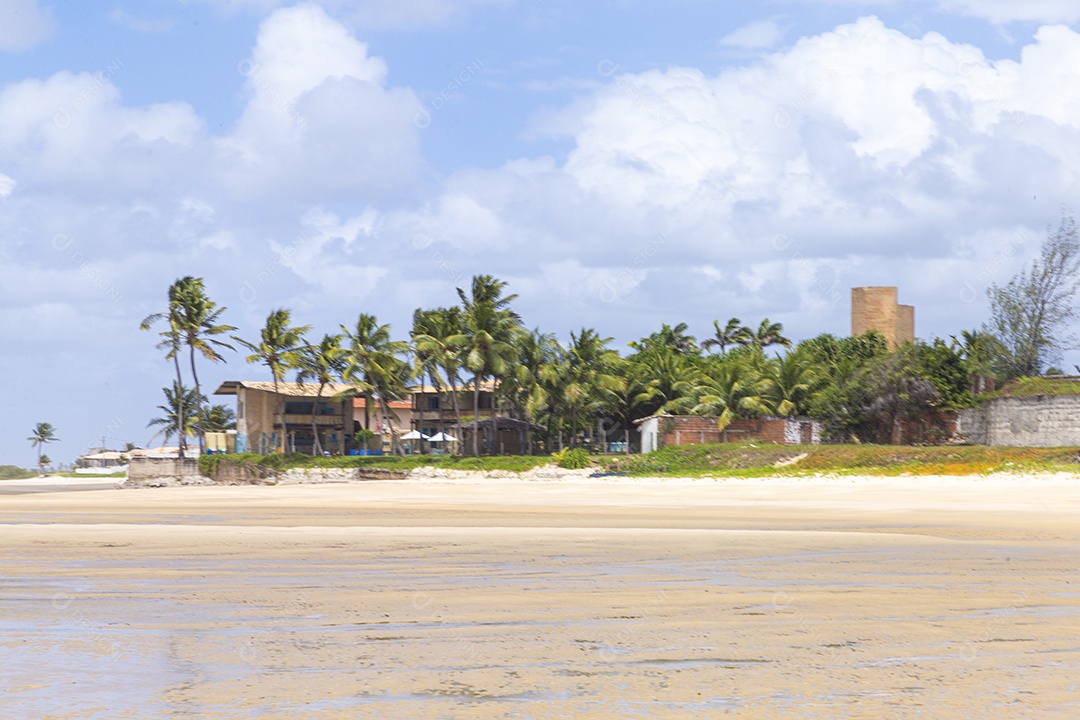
pixel 179 404
pixel 496 446
pixel 395 444
pixel 279 405
pixel 476 417
pixel 573 427
pixel 457 408
pixel 316 446
pixel 198 406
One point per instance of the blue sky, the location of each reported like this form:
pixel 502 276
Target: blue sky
pixel 621 164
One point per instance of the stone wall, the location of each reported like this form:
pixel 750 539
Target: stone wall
pixel 1039 421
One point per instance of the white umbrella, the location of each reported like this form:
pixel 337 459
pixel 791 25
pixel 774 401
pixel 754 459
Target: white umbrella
pixel 443 437
pixel 414 435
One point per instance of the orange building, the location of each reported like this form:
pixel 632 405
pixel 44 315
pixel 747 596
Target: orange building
pixel 876 308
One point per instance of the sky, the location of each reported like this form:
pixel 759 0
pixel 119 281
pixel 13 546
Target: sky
pixel 621 164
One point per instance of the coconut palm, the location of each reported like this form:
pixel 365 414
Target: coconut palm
pixel 44 433
pixel 524 386
pixel 171 341
pixel 669 380
pixel 320 364
pixel 793 382
pixel 590 370
pixel 218 418
pixel 435 341
pixel 198 321
pixel 733 387
pixel 372 360
pixel 769 333
pixel 277 348
pixel 487 342
pixel 174 420
pixel 734 333
pixel 667 337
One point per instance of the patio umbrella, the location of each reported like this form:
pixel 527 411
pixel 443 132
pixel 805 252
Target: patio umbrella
pixel 442 437
pixel 414 435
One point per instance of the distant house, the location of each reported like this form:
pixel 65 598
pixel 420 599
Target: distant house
pixel 659 431
pixel 429 404
pixel 267 423
pixel 103 462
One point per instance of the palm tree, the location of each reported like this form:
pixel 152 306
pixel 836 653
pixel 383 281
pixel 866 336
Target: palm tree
pixel 669 380
pixel 734 333
pixel 277 348
pixel 439 328
pixel 371 361
pixel 322 364
pixel 171 340
pixel 769 333
pixel 44 433
pixel 43 462
pixel 174 420
pixel 218 418
pixel 199 324
pixel 667 337
pixel 793 383
pixel 490 329
pixel 732 387
pixel 524 386
pixel 590 370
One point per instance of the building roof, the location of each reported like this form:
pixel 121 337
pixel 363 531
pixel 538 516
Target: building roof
pixel 232 387
pixel 485 386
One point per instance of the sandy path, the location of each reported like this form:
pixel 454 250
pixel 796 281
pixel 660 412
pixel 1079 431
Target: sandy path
pixel 892 598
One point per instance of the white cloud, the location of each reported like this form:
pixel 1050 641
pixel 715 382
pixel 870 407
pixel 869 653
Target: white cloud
pixel 755 36
pixel 24 24
pixel 7 184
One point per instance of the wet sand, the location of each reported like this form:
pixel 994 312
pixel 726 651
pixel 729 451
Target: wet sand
pixel 844 598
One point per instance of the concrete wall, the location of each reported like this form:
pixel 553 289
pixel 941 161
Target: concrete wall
pixel 1039 421
pixel 159 471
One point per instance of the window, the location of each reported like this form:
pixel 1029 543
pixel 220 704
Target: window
pixel 432 402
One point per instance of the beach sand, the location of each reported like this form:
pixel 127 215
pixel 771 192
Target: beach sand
pixel 608 598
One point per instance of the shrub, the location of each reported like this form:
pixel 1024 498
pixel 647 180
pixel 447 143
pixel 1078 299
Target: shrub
pixel 573 459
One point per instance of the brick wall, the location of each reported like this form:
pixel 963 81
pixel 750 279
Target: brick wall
pixel 696 430
pixel 875 308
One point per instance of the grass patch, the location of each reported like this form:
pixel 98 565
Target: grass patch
pixel 1032 386
pixel 208 464
pixel 761 460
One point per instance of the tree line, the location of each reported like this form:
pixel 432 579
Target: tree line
pixel 858 386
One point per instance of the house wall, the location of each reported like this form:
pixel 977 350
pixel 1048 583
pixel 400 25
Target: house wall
pixel 1039 421
pixel 257 422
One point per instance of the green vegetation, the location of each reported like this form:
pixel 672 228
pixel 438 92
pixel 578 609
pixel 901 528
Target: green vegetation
pixel 572 458
pixel 209 464
pixel 1032 386
pixel 762 460
pixel 14 472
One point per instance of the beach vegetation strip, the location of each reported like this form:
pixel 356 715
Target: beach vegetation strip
pixel 718 459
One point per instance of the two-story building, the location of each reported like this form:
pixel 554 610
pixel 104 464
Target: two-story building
pixel 267 422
